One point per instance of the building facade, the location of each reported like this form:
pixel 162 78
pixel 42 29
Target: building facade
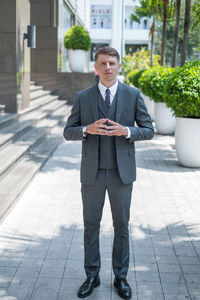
pixel 110 24
pixel 19 64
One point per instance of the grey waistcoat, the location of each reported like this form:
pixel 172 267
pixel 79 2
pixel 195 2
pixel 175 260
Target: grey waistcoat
pixel 107 149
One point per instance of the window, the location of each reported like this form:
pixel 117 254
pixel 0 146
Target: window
pixel 131 48
pixel 65 22
pixel 101 16
pixel 95 48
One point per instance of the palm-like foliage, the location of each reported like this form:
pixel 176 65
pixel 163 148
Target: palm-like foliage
pixel 150 9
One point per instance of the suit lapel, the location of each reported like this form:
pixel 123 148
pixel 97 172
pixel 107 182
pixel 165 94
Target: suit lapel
pixel 94 102
pixel 120 100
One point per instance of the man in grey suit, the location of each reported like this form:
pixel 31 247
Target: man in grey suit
pixel 104 117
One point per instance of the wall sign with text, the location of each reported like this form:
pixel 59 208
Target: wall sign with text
pixel 101 16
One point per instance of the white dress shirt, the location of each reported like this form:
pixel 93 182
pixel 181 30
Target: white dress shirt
pixel 113 90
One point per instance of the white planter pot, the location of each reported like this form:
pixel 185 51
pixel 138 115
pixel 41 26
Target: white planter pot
pixel 187 139
pixel 165 122
pixel 77 60
pixel 150 106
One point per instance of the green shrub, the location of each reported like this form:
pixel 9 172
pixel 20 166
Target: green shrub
pixel 152 82
pixel 182 91
pixel 134 76
pixel 77 38
pixel 140 60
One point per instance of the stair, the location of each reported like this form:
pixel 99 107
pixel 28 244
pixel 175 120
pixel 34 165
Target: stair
pixel 27 140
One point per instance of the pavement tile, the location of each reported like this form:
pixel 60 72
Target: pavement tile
pixel 76 253
pixel 21 291
pixel 168 251
pixel 23 295
pixel 194 269
pixel 144 258
pixel 150 296
pixel 194 289
pixel 147 276
pixel 97 294
pixel 191 260
pixel 115 296
pixel 192 278
pixel 44 294
pixel 6 276
pixel 145 287
pixel 142 250
pixel 177 278
pixel 167 259
pixel 174 288
pixel 74 269
pixel 53 268
pixel 152 267
pixel 41 240
pixel 172 268
pixel 48 283
pixel 176 297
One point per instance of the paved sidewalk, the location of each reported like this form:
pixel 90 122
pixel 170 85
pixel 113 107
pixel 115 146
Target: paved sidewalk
pixel 41 240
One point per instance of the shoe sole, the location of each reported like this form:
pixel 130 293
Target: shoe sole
pixel 88 294
pixel 123 297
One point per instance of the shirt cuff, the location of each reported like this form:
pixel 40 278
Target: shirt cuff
pixel 129 133
pixel 84 131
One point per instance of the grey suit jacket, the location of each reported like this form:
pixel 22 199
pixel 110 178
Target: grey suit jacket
pixel 130 110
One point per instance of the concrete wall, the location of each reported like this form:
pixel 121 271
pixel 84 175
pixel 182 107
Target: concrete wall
pixel 44 57
pixel 70 83
pixel 14 54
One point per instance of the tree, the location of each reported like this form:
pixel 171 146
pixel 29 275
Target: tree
pixel 186 31
pixel 196 12
pixel 193 45
pixel 167 14
pixel 176 34
pixel 163 44
pixel 150 9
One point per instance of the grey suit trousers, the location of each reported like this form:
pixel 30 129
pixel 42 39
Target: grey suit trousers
pixel 93 197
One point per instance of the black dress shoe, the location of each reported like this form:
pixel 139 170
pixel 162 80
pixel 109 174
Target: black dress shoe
pixel 88 286
pixel 124 289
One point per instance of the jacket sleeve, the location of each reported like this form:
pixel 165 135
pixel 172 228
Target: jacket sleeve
pixel 73 129
pixel 144 129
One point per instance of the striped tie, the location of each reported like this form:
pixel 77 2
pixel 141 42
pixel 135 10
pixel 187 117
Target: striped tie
pixel 107 99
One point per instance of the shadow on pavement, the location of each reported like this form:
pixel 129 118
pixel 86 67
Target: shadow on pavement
pixel 49 265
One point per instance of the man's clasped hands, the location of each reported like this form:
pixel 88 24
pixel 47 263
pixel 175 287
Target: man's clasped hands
pixel 107 127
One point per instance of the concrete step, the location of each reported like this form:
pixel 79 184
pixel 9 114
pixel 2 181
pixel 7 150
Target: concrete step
pixel 13 184
pixel 35 88
pixel 38 94
pixel 15 151
pixel 20 126
pixel 38 103
pixel 27 139
pixel 32 150
pixel 7 118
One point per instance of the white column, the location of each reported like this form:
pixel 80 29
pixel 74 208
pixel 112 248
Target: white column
pixel 117 41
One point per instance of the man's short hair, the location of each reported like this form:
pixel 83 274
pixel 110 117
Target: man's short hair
pixel 107 51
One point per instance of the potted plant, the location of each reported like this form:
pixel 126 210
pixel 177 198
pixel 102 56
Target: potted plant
pixel 152 83
pixel 182 94
pixel 78 42
pixel 133 78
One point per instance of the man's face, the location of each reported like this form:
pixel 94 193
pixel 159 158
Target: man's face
pixel 107 67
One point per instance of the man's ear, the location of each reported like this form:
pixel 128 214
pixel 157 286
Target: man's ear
pixel 95 66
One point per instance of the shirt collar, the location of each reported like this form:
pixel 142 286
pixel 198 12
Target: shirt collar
pixel 112 88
